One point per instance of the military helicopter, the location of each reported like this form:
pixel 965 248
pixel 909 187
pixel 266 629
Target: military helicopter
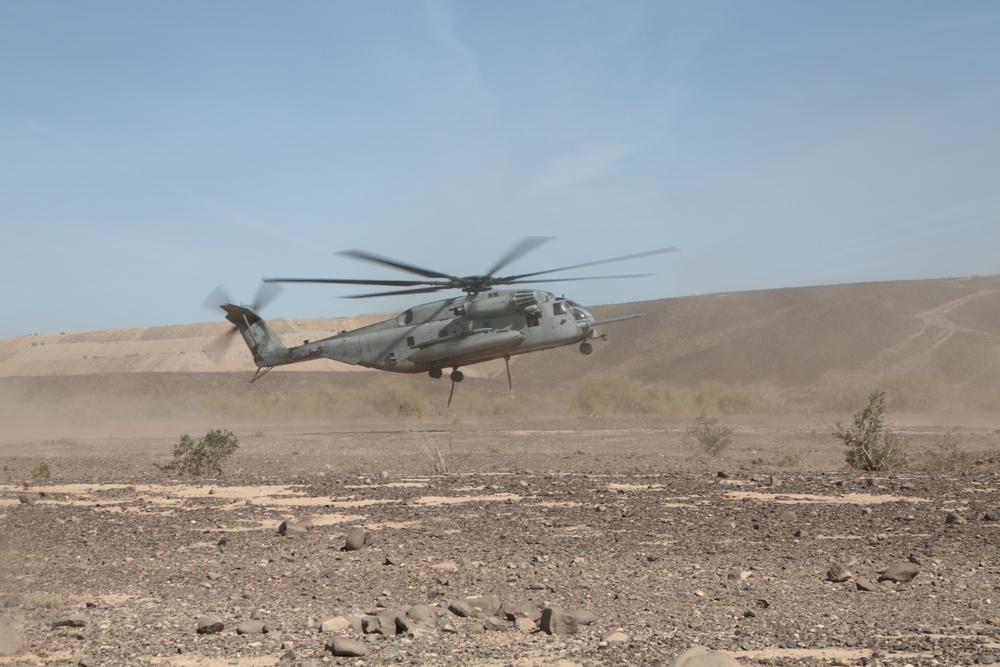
pixel 484 324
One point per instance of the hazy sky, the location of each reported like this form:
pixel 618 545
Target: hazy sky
pixel 152 151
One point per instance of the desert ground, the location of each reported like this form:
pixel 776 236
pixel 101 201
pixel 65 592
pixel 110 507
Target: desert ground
pixel 542 534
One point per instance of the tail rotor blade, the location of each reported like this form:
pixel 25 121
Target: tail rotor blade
pixel 218 297
pixel 266 293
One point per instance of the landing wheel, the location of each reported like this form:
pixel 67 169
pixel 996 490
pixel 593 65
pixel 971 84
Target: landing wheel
pixel 435 373
pixel 457 375
pixel 586 348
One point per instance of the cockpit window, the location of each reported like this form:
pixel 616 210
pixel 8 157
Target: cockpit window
pixel 560 308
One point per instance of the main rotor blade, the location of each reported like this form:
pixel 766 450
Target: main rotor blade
pixel 566 280
pixel 409 268
pixel 523 247
pixel 648 253
pixel 422 290
pixel 349 281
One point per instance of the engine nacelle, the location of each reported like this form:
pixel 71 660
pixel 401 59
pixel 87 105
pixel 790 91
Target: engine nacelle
pixel 494 304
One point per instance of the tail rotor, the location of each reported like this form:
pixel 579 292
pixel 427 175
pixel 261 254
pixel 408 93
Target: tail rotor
pixel 266 293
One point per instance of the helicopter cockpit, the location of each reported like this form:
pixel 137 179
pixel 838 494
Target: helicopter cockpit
pixel 565 306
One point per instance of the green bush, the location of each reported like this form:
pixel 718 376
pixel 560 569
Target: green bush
pixel 41 471
pixel 205 456
pixel 709 435
pixel 871 445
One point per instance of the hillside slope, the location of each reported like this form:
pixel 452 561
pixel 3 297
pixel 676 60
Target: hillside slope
pixel 787 336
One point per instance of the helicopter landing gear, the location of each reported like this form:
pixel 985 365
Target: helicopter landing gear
pixel 586 348
pixel 435 373
pixel 510 382
pixel 456 377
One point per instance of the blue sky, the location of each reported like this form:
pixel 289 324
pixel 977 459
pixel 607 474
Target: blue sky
pixel 152 151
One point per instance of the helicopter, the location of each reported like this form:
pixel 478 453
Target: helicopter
pixel 484 324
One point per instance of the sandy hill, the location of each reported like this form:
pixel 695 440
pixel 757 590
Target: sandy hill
pixel 790 337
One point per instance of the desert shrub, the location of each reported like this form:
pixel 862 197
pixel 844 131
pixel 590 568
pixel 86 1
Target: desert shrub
pixel 982 395
pixel 620 394
pixel 842 390
pixel 441 458
pixel 729 400
pixel 944 456
pixel 871 445
pixel 913 389
pixel 204 456
pixel 707 434
pixel 387 394
pixel 475 403
pixel 41 471
pixel 42 600
pixel 611 394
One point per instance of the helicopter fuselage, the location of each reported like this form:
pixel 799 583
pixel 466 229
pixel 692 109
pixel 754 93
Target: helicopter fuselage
pixel 452 332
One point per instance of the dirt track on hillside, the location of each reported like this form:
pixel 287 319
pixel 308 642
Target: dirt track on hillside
pixel 615 517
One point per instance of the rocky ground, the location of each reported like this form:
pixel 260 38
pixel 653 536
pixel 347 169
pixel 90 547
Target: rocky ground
pixel 575 542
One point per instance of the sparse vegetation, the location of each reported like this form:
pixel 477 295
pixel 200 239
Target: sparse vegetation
pixel 441 460
pixel 42 600
pixel 871 445
pixel 913 389
pixel 204 456
pixel 620 394
pixel 945 456
pixel 387 394
pixel 41 472
pixel 709 435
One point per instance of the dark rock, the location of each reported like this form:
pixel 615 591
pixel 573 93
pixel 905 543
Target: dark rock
pixel 489 605
pixel 347 647
pixel 526 625
pixel 521 609
pixel 422 615
pixel 699 656
pixel 292 528
pixel 461 608
pixel 209 625
pixel 838 573
pixel 583 617
pixel 71 621
pixel 357 539
pixel 865 585
pixel 250 628
pixel 900 573
pixel 383 624
pixel 558 622
pixel 335 624
pixel 495 624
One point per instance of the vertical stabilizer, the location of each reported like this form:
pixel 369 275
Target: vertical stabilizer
pixel 264 344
